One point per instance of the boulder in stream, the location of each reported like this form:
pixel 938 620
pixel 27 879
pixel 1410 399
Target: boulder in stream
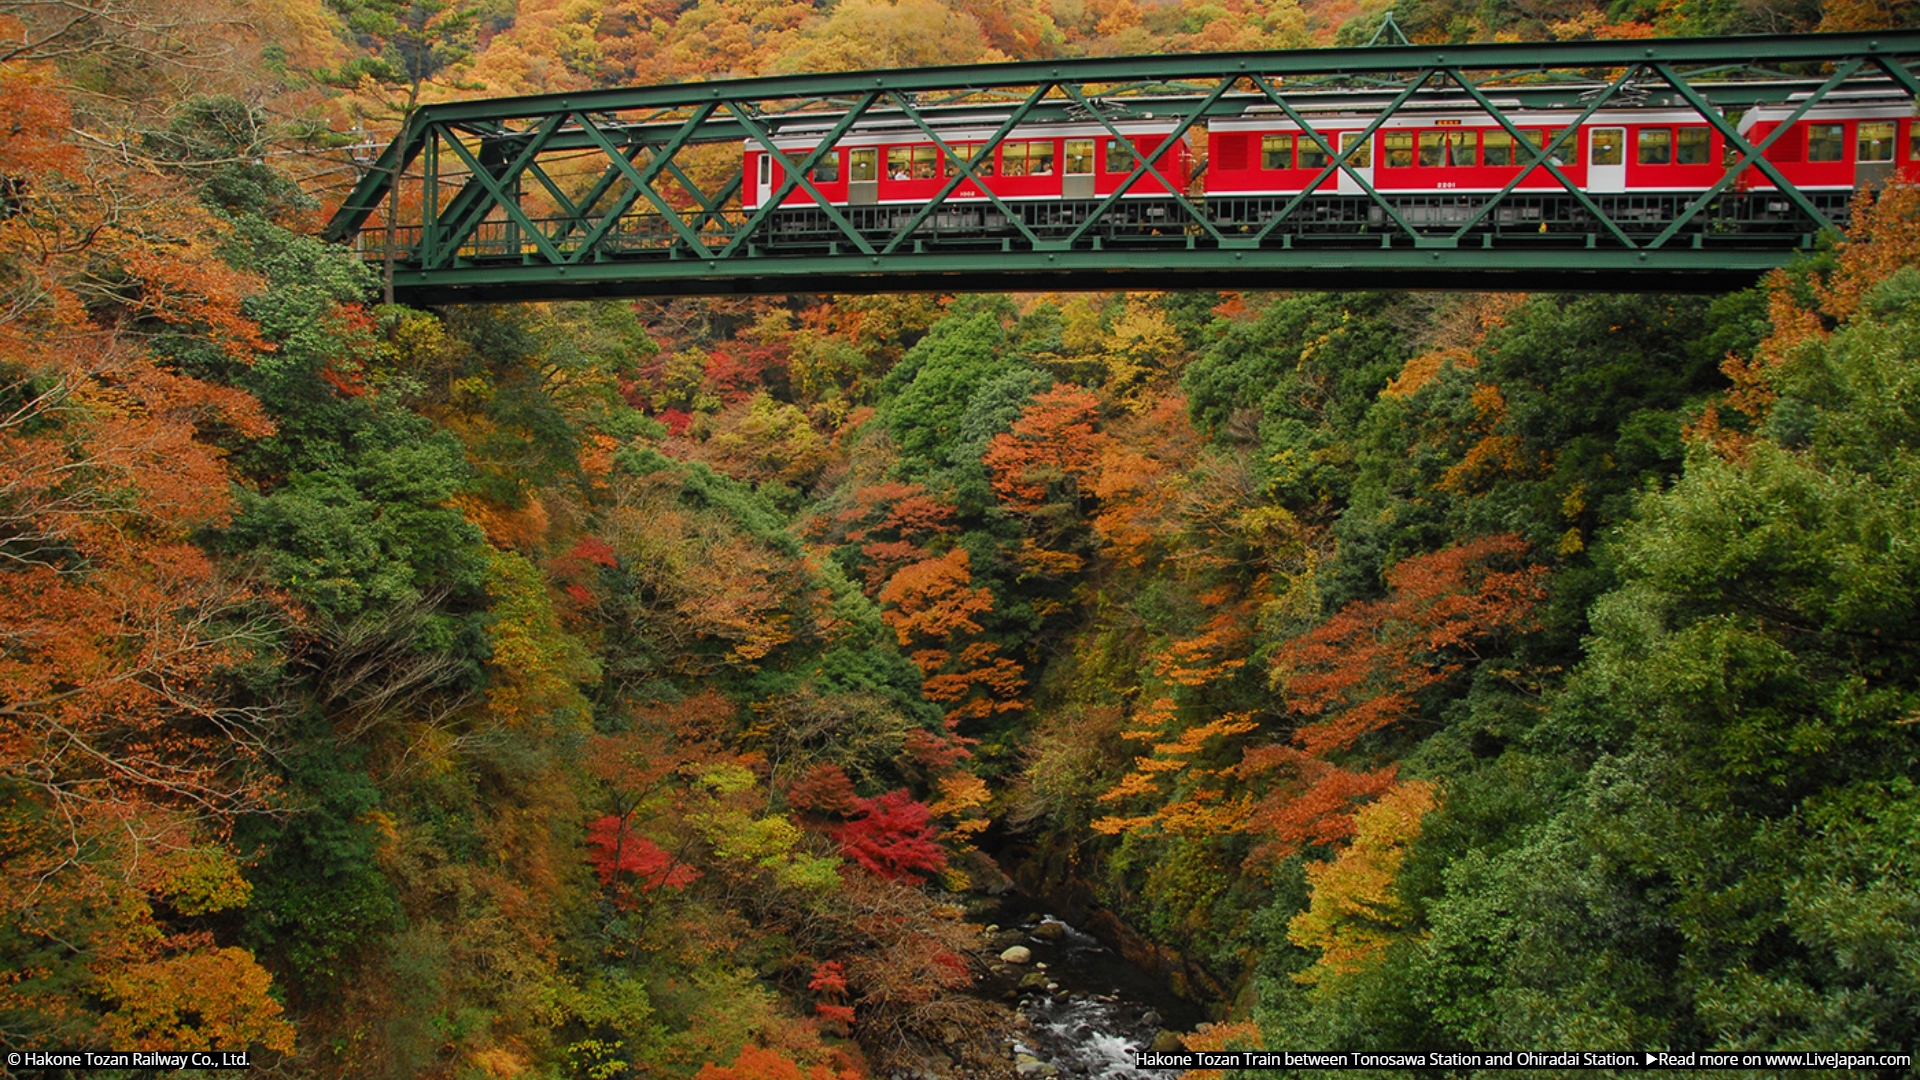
pixel 1050 930
pixel 1018 954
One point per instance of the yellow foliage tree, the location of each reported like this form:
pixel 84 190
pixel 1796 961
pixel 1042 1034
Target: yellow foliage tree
pixel 1354 914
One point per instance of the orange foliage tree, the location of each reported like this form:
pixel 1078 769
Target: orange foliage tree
pixel 757 1063
pixel 1363 670
pixel 124 749
pixel 1038 469
pixel 931 605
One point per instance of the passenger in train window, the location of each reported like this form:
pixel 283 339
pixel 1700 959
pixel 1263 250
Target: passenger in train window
pixel 1276 151
pixel 1120 157
pixel 1827 142
pixel 1875 141
pixel 1693 146
pixel 982 165
pixel 1311 155
pixel 1656 146
pixel 827 169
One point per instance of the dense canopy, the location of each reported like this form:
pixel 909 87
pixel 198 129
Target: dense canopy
pixel 654 689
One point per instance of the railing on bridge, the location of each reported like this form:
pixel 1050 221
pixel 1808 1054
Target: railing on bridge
pixel 639 191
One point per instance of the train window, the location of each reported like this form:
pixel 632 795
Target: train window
pixel 1913 141
pixel 1396 149
pixel 1876 141
pixel 1026 159
pixel 1356 151
pixel 1496 148
pixel 912 162
pixel 1606 148
pixel 982 165
pixel 1543 136
pixel 1311 154
pixel 1276 151
pixel 1443 148
pixel 863 166
pixel 1079 157
pixel 1693 146
pixel 1827 142
pixel 1656 146
pixel 1120 157
pixel 827 169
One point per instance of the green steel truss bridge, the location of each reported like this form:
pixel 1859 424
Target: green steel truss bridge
pixel 637 192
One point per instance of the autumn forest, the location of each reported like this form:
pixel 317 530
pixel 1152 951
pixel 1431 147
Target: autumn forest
pixel 686 690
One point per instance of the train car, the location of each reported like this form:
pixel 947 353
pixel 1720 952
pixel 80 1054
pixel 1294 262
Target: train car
pixel 1445 151
pixel 1844 142
pixel 892 166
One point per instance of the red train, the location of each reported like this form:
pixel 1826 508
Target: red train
pixel 886 167
pixel 1434 160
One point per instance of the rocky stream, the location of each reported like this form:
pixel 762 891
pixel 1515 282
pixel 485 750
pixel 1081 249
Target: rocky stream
pixel 1068 1005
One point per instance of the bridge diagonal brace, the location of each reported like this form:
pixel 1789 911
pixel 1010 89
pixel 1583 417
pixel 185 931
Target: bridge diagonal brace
pixel 1750 154
pixel 642 182
pixel 1337 159
pixel 566 205
pixel 1898 73
pixel 471 194
pixel 496 188
pixel 1543 155
pixel 710 209
pixel 609 177
pixel 797 175
pixel 964 169
pixel 1146 165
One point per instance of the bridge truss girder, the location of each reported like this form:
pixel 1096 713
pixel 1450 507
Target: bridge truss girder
pixel 637 191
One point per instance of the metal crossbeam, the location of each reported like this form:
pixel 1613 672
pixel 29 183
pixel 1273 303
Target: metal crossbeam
pixel 640 191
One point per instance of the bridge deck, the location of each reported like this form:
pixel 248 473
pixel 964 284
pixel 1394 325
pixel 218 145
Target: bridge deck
pixel 637 192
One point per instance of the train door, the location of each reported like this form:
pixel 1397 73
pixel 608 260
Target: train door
pixel 1076 178
pixel 863 176
pixel 1607 160
pixel 764 186
pixel 1361 158
pixel 1873 157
